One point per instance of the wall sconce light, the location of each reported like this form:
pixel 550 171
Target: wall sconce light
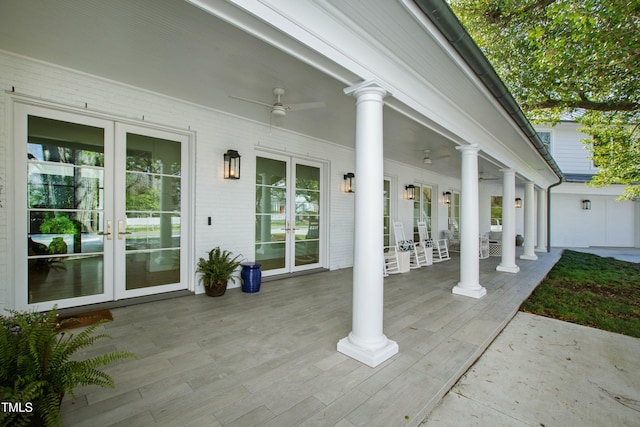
pixel 446 197
pixel 411 191
pixel 231 165
pixel 348 182
pixel 518 202
pixel 586 205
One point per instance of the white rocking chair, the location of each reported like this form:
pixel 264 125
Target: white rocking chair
pixel 424 245
pixel 391 263
pixel 405 245
pixel 439 245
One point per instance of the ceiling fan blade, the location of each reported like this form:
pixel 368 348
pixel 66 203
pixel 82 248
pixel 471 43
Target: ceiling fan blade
pixel 305 106
pixel 253 101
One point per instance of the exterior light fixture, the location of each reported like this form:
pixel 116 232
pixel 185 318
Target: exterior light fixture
pixel 231 165
pixel 411 191
pixel 586 205
pixel 446 197
pixel 348 182
pixel 518 202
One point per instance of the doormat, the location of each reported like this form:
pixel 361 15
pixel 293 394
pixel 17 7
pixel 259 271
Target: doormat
pixel 81 320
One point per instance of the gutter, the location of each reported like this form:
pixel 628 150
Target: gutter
pixel 549 213
pixel 446 21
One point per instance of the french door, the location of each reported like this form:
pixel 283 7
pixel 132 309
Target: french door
pixel 289 214
pixel 100 211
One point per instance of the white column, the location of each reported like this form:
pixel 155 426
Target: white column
pixel 542 224
pixel 529 223
pixel 469 284
pixel 508 262
pixel 366 342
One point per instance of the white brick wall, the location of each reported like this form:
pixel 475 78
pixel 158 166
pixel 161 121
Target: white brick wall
pixel 226 202
pixel 229 203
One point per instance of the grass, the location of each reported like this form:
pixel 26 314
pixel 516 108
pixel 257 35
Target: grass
pixel 589 290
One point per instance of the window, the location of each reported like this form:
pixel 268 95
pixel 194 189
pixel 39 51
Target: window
pixel 422 209
pixel 387 210
pixel 454 212
pixel 496 213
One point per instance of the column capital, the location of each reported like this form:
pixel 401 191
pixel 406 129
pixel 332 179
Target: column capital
pixel 471 148
pixel 508 171
pixel 367 87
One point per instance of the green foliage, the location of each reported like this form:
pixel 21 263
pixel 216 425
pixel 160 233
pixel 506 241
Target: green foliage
pixel 615 150
pixel 558 56
pixel 218 267
pixel 37 364
pixel 58 225
pixel 592 291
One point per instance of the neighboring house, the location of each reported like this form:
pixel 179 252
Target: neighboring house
pixel 607 221
pixel 116 116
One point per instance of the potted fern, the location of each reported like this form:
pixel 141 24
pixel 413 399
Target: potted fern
pixel 39 365
pixel 216 270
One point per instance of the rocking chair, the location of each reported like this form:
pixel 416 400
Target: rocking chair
pixel 405 245
pixel 439 245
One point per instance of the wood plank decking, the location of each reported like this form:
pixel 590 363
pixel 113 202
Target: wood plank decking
pixel 270 359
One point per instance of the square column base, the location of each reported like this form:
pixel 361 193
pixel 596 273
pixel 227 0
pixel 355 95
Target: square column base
pixel 367 356
pixel 506 269
pixel 473 293
pixel 529 257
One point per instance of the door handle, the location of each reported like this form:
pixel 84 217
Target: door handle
pixel 121 229
pixel 108 233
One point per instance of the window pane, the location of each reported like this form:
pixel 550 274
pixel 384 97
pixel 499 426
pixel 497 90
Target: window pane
pixel 153 155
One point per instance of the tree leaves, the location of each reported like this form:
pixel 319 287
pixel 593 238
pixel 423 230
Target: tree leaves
pixel 561 55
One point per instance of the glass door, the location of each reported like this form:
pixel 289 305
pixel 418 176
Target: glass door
pixel 63 235
pixel 148 211
pixel 98 217
pixel 289 220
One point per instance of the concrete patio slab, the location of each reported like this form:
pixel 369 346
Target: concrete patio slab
pixel 545 372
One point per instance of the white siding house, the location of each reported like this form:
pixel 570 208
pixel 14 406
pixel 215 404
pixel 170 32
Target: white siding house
pixel 608 222
pixel 116 116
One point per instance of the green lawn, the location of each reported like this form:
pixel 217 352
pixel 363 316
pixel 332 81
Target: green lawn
pixel 582 288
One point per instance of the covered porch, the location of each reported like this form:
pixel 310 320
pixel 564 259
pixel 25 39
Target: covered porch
pixel 269 358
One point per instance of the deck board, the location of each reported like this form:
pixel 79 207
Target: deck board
pixel 270 358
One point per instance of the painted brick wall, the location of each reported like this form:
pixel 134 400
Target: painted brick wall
pixel 214 132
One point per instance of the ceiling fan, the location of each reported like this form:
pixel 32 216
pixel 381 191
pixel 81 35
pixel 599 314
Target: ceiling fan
pixel 278 108
pixel 482 177
pixel 426 159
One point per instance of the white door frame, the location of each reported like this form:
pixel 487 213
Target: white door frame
pixel 21 110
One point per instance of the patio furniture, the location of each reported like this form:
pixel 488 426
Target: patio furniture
pixel 427 246
pixel 391 263
pixel 484 246
pixel 453 240
pixel 405 245
pixel 495 243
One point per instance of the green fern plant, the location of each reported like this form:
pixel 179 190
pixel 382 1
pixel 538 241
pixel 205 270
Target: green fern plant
pixel 37 365
pixel 217 268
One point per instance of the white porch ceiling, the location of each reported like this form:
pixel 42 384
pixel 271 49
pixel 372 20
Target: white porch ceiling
pixel 172 47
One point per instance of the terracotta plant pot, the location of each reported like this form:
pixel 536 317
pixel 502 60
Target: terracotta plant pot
pixel 216 290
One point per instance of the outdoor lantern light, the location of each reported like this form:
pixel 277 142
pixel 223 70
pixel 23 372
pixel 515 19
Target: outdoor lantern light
pixel 586 205
pixel 518 202
pixel 446 197
pixel 411 191
pixel 348 182
pixel 231 165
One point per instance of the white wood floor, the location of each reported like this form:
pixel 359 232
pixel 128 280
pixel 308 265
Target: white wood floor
pixel 269 359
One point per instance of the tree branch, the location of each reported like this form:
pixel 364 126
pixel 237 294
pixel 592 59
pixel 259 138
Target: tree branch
pixel 585 104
